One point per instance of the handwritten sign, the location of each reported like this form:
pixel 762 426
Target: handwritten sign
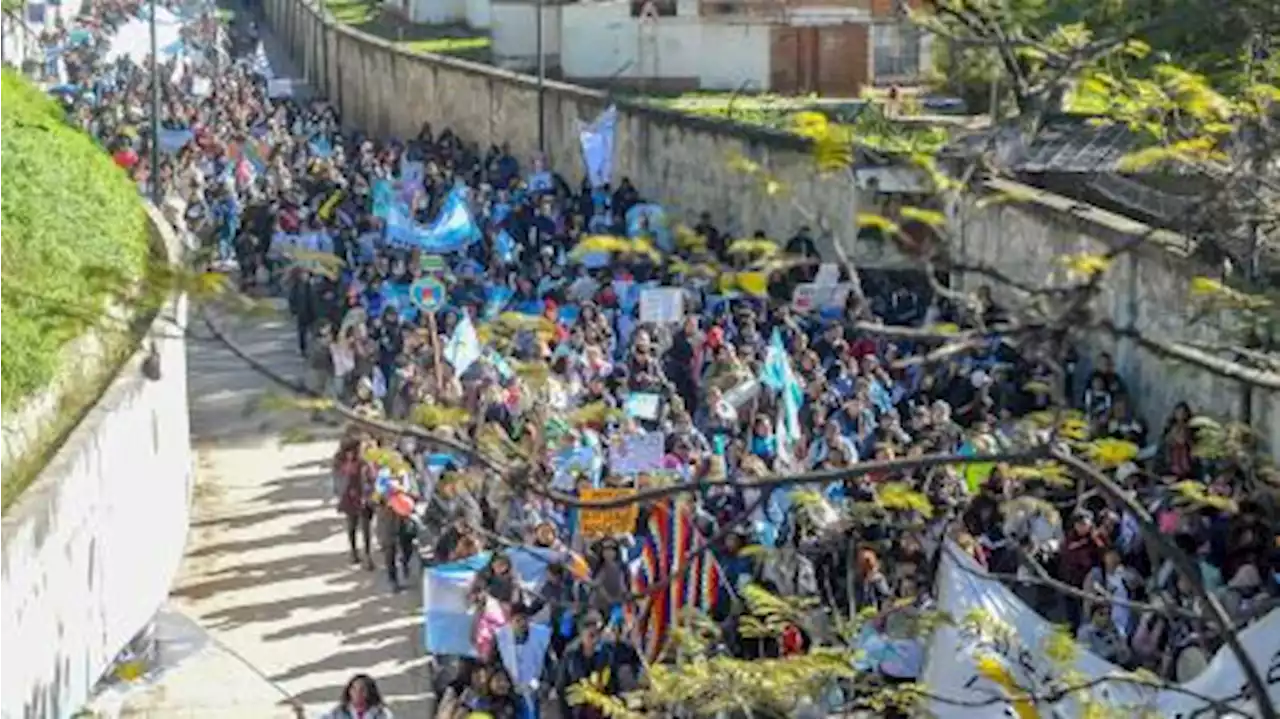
pixel 811 297
pixel 604 522
pixel 637 453
pixel 662 305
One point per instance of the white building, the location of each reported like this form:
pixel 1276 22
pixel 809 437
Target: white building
pixel 829 47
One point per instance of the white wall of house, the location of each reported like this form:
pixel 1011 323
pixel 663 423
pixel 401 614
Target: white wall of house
pixel 514 36
pixel 737 57
pixel 479 14
pixel 603 41
pixel 607 42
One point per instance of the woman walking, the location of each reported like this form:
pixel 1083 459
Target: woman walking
pixel 353 478
pixel 360 700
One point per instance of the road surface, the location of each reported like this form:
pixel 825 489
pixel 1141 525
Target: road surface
pixel 266 572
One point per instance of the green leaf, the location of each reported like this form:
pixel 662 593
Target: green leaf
pixel 872 221
pixel 1137 49
pixel 932 218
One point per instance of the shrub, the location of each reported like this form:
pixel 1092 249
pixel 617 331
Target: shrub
pixel 69 214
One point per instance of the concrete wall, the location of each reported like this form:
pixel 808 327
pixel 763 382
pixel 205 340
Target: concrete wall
pixel 1148 290
pixel 91 548
pixel 673 159
pixel 681 161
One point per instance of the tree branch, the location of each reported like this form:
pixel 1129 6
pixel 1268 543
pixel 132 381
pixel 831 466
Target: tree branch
pixel 1216 613
pixel 1190 355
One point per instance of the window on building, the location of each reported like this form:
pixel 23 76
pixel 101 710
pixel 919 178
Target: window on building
pixel 663 8
pixel 897 50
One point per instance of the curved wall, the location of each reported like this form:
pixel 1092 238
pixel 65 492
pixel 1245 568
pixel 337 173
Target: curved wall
pixel 90 549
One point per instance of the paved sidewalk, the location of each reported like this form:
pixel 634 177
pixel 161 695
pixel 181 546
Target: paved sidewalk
pixel 266 572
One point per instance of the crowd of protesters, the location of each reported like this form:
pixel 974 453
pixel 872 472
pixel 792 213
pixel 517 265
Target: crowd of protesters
pixel 539 354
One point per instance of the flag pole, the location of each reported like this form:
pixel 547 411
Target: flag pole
pixel 155 111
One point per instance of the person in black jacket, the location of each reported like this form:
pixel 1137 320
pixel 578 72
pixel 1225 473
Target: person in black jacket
pixel 302 303
pixel 594 651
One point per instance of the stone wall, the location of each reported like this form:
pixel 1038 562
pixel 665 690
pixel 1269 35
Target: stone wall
pixel 91 547
pixel 1148 290
pixel 672 158
pixel 681 161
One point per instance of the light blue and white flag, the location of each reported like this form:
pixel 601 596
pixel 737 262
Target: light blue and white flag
pixel 320 146
pixel 653 219
pixel 776 374
pixel 453 231
pixel 496 299
pixel 505 245
pixel 524 662
pixel 447 613
pixel 597 146
pixel 171 141
pixel 501 365
pixel 463 348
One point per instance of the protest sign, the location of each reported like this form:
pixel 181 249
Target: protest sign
pixel 279 87
pixel 412 176
pixel 201 86
pixel 428 293
pixel 813 297
pixel 604 522
pixel 952 666
pixel 643 405
pixel 804 298
pixel 828 274
pixel 662 305
pixel 637 453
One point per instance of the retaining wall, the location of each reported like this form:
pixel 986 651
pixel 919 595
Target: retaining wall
pixel 92 546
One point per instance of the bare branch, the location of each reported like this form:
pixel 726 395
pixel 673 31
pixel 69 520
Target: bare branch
pixel 1217 615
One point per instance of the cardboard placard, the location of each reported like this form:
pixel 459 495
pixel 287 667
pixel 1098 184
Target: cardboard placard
pixel 637 453
pixel 662 305
pixel 604 522
pixel 812 297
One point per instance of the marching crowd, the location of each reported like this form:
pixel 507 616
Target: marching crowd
pixel 573 329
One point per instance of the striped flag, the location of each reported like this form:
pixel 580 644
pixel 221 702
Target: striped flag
pixel 669 578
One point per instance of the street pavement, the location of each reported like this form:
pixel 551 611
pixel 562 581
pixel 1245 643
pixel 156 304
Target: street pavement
pixel 266 572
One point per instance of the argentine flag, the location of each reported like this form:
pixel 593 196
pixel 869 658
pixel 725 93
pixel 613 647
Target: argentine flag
pixel 778 376
pixel 447 612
